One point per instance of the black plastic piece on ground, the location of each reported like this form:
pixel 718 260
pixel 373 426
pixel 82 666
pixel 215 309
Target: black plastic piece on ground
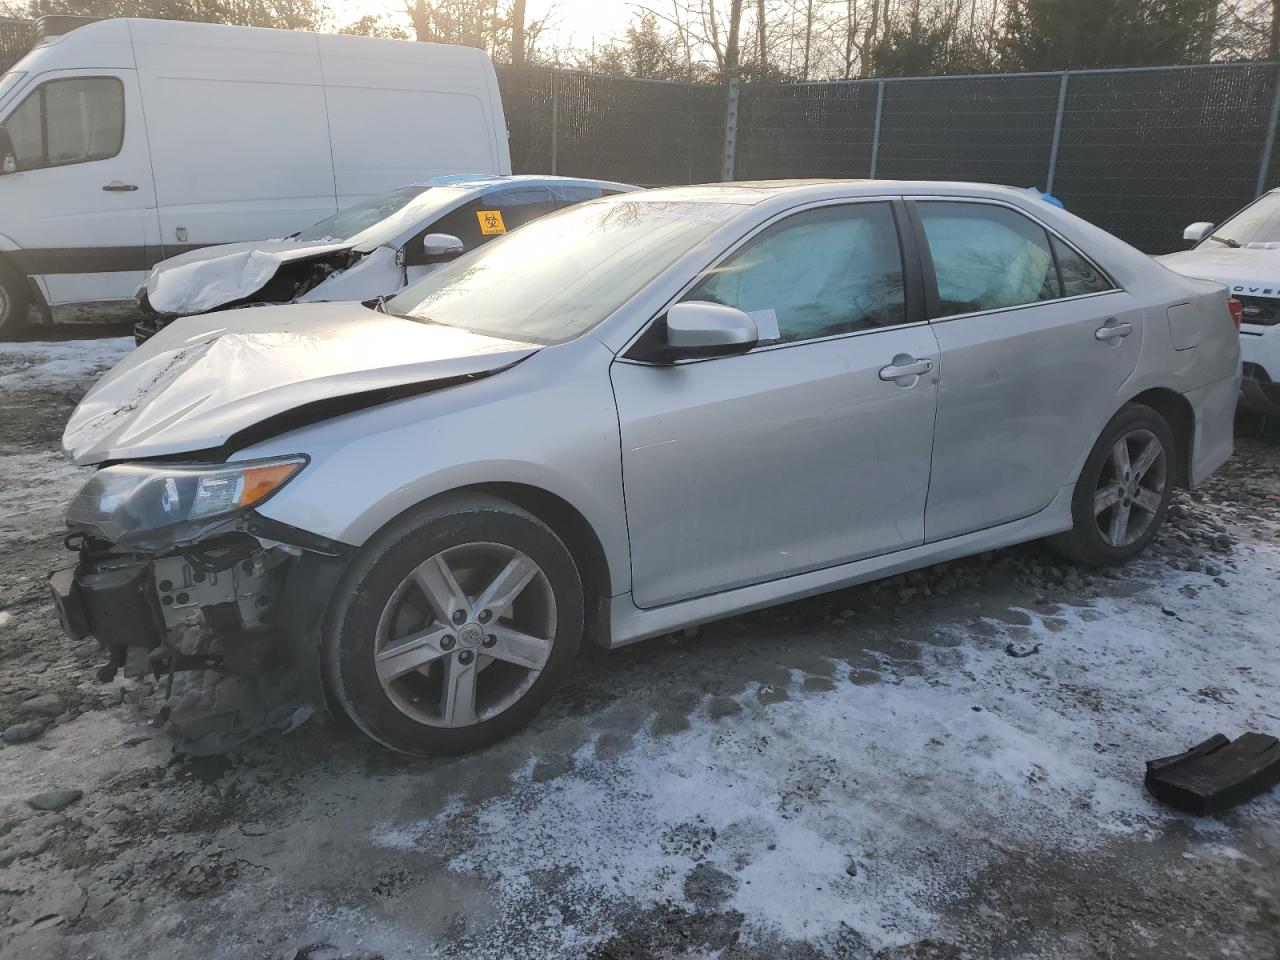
pixel 1216 775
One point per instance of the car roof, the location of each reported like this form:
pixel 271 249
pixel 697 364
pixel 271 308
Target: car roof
pixel 758 191
pixel 485 180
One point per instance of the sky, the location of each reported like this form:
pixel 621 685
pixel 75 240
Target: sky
pixel 577 23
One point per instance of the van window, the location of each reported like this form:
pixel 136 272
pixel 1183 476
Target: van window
pixel 68 121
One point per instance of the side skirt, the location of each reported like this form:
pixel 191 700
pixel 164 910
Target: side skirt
pixel 629 623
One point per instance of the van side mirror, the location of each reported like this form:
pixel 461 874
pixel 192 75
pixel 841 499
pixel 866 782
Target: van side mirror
pixel 700 329
pixel 8 158
pixel 1197 231
pixel 433 248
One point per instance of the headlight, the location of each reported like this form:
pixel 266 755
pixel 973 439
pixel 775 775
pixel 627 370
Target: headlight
pixel 130 502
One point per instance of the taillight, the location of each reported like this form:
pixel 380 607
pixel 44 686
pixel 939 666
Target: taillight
pixel 1237 311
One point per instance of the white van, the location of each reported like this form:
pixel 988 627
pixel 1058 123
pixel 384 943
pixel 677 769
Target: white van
pixel 136 140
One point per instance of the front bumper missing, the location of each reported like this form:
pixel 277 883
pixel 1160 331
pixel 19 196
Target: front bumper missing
pixel 167 613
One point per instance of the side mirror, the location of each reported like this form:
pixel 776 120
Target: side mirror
pixel 433 248
pixel 1197 231
pixel 699 329
pixel 8 157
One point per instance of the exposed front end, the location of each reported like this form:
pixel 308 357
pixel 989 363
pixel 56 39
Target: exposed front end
pixel 176 570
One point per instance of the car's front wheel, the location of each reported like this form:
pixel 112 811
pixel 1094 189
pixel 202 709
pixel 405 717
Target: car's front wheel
pixel 1123 491
pixel 456 627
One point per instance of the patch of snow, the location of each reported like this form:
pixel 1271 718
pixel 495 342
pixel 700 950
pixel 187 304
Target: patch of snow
pixel 922 782
pixel 64 363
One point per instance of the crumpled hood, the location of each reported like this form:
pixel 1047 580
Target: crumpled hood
pixel 200 280
pixel 203 379
pixel 1253 271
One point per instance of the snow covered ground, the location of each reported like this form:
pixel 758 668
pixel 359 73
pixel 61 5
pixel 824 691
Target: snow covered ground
pixel 948 764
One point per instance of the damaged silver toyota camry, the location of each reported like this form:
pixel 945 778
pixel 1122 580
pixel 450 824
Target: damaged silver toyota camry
pixel 638 414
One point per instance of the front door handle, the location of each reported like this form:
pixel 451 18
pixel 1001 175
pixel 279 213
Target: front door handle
pixel 1111 331
pixel 115 186
pixel 905 367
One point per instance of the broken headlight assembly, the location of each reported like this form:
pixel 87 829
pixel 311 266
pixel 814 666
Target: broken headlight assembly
pixel 148 504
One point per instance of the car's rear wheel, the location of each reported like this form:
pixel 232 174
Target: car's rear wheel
pixel 456 628
pixel 15 304
pixel 1123 491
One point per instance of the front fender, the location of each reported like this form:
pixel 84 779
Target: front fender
pixel 547 423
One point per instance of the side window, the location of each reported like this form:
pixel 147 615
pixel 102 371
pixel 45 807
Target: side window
pixel 986 257
pixel 815 274
pixel 569 194
pixel 1079 276
pixel 494 214
pixel 519 205
pixel 68 121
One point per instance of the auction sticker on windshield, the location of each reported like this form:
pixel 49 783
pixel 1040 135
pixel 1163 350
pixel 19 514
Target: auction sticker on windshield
pixel 491 224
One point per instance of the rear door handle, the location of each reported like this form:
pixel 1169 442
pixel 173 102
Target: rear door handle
pixel 1113 331
pixel 115 186
pixel 905 367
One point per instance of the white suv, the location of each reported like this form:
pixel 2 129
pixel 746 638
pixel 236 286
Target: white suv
pixel 1244 253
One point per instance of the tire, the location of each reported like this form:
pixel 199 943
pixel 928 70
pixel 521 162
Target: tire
pixel 424 710
pixel 15 304
pixel 1121 499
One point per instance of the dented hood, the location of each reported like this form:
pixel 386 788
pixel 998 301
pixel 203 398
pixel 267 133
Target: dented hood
pixel 200 280
pixel 203 379
pixel 1253 271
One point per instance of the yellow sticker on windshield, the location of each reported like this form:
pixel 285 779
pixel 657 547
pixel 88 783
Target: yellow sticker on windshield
pixel 491 224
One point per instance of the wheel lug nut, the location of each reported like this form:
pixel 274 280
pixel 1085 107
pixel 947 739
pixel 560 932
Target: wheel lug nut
pixel 485 616
pixel 446 643
pixel 489 640
pixel 459 616
pixel 466 656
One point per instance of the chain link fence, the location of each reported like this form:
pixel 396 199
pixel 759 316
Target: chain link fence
pixel 16 38
pixel 1140 152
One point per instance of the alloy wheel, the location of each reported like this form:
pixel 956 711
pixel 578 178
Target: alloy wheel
pixel 1131 488
pixel 465 635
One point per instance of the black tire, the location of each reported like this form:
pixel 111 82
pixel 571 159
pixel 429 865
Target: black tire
pixel 382 566
pixel 1085 542
pixel 15 304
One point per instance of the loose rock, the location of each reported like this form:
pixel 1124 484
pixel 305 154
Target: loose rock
pixel 54 800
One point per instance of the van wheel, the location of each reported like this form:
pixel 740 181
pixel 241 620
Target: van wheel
pixel 15 304
pixel 453 629
pixel 1123 491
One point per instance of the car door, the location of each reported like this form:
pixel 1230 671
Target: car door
pixel 810 450
pixel 81 204
pixel 1036 341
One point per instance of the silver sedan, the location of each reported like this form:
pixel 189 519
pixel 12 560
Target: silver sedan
pixel 642 413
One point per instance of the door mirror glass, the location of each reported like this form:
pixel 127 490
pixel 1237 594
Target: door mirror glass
pixel 8 159
pixel 432 248
pixel 696 328
pixel 1197 231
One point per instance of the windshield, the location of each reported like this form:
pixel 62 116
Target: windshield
pixel 1257 223
pixel 345 224
pixel 559 276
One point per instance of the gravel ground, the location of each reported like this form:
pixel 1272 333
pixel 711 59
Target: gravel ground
pixel 947 764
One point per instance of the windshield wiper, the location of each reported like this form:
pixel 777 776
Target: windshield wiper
pixel 1233 244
